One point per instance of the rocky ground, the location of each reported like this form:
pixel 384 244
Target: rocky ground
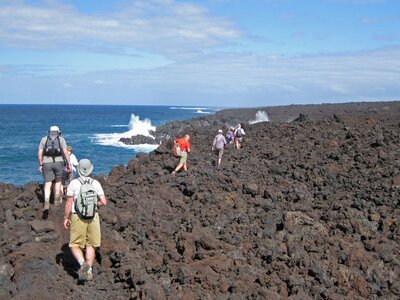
pixel 307 209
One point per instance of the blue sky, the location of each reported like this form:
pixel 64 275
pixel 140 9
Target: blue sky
pixel 205 52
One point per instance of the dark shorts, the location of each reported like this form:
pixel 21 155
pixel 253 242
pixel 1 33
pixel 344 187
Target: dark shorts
pixel 52 171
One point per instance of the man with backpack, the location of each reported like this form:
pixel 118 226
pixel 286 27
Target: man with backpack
pixel 218 146
pixel 184 146
pixel 84 196
pixel 52 156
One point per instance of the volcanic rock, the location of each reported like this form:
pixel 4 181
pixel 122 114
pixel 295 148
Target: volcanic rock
pixel 304 210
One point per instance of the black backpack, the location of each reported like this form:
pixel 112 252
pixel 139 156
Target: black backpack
pixel 52 147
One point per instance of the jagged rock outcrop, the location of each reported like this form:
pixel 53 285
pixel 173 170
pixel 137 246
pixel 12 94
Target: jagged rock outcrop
pixel 305 210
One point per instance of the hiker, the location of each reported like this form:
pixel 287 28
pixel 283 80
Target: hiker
pixel 239 133
pixel 74 161
pixel 84 229
pixel 218 146
pixel 67 176
pixel 229 135
pixel 52 156
pixel 185 149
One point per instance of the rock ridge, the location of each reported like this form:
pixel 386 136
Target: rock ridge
pixel 307 209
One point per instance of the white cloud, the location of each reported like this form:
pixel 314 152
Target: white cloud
pixel 228 78
pixel 99 82
pixel 165 27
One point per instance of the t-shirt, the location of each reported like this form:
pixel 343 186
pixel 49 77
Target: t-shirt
pixel 47 159
pixel 74 161
pixel 239 132
pixel 185 145
pixel 75 186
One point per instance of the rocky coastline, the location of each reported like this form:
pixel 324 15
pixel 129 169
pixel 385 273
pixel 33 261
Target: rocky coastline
pixel 309 208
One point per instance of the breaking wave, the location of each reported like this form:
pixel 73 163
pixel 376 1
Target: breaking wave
pixel 135 127
pixel 261 116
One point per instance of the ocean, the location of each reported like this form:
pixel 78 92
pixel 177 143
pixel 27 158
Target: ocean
pixel 92 130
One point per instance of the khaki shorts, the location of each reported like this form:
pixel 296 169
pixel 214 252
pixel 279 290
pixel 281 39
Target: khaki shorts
pixel 52 170
pixel 85 232
pixel 183 158
pixel 219 152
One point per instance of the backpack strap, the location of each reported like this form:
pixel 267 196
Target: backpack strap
pixel 88 180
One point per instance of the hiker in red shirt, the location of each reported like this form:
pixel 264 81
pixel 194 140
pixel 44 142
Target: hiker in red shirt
pixel 185 149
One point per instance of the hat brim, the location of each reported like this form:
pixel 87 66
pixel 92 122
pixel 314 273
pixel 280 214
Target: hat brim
pixel 85 172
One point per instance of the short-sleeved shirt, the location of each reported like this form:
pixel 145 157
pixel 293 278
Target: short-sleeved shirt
pixel 219 142
pixel 49 159
pixel 185 145
pixel 75 186
pixel 74 161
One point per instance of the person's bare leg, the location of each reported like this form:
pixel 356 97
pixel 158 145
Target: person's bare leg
pixel 47 190
pixel 78 254
pixel 85 270
pixel 90 255
pixel 178 168
pixel 57 188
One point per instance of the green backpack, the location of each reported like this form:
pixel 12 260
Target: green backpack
pixel 86 203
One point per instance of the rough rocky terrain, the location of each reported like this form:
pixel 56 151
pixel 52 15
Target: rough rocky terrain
pixel 307 209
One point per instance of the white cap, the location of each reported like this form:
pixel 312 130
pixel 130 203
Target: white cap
pixel 54 128
pixel 220 131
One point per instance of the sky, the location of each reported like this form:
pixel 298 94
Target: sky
pixel 237 53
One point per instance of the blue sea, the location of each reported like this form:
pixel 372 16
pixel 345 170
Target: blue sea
pixel 92 130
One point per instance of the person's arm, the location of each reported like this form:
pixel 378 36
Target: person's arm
pixel 40 159
pixel 101 200
pixel 66 155
pixel 67 211
pixel 74 160
pixel 213 145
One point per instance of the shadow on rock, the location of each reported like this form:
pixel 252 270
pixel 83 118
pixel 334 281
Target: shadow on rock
pixel 66 259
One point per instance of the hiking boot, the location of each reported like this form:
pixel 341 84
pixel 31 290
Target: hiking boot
pixel 173 173
pixel 45 214
pixel 83 273
pixel 58 202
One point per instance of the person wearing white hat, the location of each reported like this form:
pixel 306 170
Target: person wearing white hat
pixel 239 133
pixel 52 155
pixel 85 232
pixel 218 146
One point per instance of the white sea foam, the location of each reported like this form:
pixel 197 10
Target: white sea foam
pixel 199 111
pixel 136 127
pixel 261 116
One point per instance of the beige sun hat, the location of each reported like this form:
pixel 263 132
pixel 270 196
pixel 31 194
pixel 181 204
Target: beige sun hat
pixel 85 167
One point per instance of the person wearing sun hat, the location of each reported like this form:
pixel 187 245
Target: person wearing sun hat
pixel 52 156
pixel 84 234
